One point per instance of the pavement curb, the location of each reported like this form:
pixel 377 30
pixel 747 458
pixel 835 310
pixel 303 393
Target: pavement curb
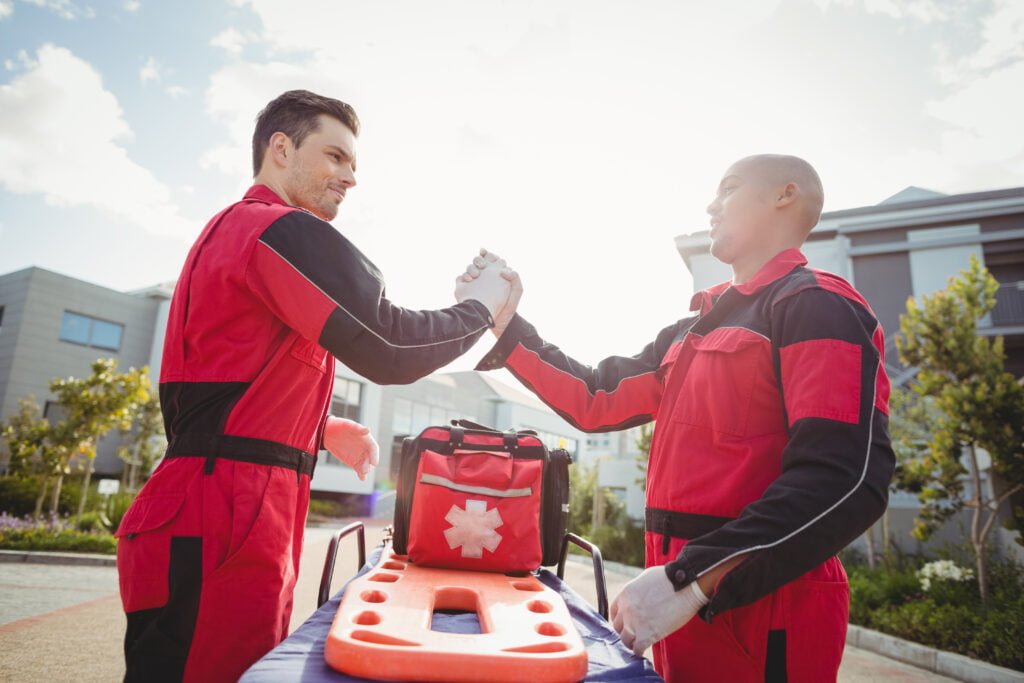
pixel 930 659
pixel 40 557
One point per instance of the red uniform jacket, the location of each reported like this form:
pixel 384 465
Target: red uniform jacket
pixel 268 296
pixel 772 430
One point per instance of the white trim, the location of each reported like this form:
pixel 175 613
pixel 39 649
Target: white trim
pixel 908 245
pixel 897 217
pixel 863 474
pixel 365 326
pixel 477 490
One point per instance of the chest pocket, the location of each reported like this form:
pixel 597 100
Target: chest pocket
pixel 728 369
pixel 310 353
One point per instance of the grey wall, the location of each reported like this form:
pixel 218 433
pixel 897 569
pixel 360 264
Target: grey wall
pixel 31 352
pixel 884 280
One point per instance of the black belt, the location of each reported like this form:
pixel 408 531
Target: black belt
pixel 241 448
pixel 685 525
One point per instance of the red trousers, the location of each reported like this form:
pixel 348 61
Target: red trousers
pixel 794 635
pixel 207 564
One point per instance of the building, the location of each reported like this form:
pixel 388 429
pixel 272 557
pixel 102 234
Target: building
pixel 909 245
pixel 52 325
pixel 617 457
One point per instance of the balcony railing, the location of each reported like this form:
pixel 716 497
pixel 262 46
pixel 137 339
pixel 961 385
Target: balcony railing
pixel 1009 310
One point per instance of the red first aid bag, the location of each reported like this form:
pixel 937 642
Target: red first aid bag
pixel 476 498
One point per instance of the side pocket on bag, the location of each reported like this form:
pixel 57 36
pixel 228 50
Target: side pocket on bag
pixel 555 511
pixel 403 495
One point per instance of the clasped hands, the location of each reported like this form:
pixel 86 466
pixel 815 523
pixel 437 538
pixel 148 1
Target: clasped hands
pixel 489 280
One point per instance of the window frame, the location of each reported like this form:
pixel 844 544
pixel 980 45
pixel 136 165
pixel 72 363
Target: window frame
pixel 90 341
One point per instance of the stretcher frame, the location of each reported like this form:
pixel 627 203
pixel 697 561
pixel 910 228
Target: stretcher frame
pixel 600 583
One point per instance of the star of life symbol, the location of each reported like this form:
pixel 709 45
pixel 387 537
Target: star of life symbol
pixel 473 528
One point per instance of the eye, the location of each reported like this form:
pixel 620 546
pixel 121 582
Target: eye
pixel 336 157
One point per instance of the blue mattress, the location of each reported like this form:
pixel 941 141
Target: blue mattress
pixel 301 656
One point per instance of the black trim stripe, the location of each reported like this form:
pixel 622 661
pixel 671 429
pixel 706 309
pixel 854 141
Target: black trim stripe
pixel 775 658
pixel 157 641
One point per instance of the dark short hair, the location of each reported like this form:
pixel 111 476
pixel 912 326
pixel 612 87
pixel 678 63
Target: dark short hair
pixel 296 114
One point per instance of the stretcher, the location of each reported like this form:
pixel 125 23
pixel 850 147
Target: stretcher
pixel 301 657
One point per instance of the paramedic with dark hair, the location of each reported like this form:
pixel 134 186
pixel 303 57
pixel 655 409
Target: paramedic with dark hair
pixel 270 294
pixel 771 450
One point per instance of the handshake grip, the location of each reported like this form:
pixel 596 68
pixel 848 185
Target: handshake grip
pixel 489 280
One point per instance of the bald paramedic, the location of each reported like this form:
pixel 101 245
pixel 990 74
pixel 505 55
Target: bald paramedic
pixel 771 451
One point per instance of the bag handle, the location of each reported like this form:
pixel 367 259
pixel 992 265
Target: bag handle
pixel 458 437
pixel 469 424
pixel 476 426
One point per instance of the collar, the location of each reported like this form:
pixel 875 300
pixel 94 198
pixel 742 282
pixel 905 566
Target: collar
pixel 264 194
pixel 781 264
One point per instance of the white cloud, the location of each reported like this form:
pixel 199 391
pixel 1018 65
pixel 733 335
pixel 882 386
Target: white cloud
pixel 150 71
pixel 76 160
pixel 65 9
pixel 238 92
pixel 132 5
pixel 231 40
pixel 1001 38
pixel 926 11
pixel 176 91
pixel 6 9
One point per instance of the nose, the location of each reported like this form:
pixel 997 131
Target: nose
pixel 713 207
pixel 347 177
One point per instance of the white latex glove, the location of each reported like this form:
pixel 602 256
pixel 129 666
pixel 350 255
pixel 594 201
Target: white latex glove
pixel 351 443
pixel 649 608
pixel 487 286
pixel 479 265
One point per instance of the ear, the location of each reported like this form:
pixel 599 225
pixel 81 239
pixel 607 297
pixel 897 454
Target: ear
pixel 787 194
pixel 279 150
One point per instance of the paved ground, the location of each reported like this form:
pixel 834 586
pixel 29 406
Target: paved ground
pixel 64 623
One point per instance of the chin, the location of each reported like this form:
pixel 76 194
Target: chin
pixel 324 213
pixel 722 252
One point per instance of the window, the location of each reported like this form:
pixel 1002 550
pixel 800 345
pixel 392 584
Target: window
pixel 346 402
pixel 347 399
pixel 409 419
pixel 87 331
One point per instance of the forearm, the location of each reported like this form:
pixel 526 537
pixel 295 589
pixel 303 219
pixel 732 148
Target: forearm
pixel 618 393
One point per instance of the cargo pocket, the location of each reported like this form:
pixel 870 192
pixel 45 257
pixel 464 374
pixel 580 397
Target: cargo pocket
pixel 310 353
pixel 144 550
pixel 149 514
pixel 724 366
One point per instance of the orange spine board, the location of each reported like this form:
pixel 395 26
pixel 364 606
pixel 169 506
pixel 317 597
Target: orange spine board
pixel 382 628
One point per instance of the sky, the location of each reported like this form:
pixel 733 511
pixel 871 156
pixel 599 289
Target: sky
pixel 575 138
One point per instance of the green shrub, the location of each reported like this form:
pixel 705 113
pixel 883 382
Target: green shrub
pixel 625 545
pixel 63 540
pixel 871 589
pixel 118 505
pixel 950 615
pixel 93 522
pixel 18 495
pixel 1000 634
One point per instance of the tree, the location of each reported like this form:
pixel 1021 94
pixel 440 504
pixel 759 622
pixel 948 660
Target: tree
pixel 643 442
pixel 142 450
pixel 976 406
pixel 91 407
pixel 24 433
